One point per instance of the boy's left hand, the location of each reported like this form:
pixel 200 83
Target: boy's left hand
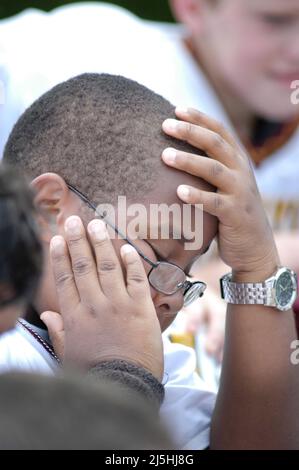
pixel 245 238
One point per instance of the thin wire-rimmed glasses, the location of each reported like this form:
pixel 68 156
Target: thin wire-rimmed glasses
pixel 165 277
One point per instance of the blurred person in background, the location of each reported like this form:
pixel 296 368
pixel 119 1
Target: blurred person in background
pixel 238 61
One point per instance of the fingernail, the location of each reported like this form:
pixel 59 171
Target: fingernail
pixel 182 110
pixel 184 192
pixel 58 245
pixel 98 230
pixel 169 155
pixel 127 249
pixel 73 225
pixel 170 124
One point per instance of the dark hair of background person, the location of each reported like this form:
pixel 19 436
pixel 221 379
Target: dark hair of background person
pixel 69 413
pixel 102 133
pixel 20 247
pixel 157 10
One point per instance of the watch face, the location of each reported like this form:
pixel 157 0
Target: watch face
pixel 285 290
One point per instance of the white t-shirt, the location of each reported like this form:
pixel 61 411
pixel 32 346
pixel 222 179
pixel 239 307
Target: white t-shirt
pixel 188 404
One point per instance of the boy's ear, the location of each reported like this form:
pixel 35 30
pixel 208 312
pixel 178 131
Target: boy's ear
pixel 188 12
pixel 51 199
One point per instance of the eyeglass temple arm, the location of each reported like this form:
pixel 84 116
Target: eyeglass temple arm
pixel 102 216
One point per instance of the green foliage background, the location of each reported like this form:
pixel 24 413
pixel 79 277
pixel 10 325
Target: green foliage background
pixel 151 9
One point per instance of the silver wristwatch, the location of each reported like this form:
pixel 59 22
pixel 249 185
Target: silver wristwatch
pixel 279 291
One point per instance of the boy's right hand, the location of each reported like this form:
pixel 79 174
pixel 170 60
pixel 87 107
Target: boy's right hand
pixel 103 316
